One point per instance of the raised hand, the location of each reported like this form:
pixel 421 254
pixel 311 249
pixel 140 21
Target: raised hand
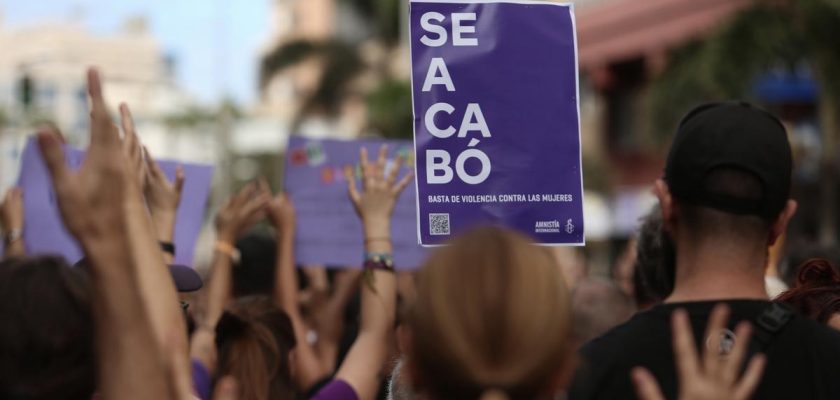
pixel 11 218
pixel 281 214
pixel 11 210
pixel 163 197
pixel 375 202
pixel 716 377
pixel 240 212
pixel 90 199
pixel 132 148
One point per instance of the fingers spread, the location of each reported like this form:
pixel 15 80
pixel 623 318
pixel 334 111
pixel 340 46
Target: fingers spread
pixel 179 179
pixel 645 384
pixel 351 183
pixel 683 342
pixel 752 376
pixel 712 357
pixel 53 155
pixel 403 183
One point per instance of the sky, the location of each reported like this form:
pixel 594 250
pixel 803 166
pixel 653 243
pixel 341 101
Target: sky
pixel 215 42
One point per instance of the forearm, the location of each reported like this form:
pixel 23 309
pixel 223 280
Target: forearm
pixel 379 289
pixel 286 295
pixel 286 283
pixel 156 286
pixel 123 332
pixel 164 227
pixel 219 288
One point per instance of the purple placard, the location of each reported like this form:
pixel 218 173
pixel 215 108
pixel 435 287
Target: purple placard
pixel 44 232
pixel 496 120
pixel 328 230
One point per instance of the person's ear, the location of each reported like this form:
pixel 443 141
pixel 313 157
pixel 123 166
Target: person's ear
pixel 666 205
pixel 780 225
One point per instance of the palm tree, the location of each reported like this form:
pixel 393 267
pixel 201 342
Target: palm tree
pixel 389 103
pixel 769 34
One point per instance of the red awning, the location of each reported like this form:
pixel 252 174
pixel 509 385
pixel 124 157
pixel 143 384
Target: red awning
pixel 624 29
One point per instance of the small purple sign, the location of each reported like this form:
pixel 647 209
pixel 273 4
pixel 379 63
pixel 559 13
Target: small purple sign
pixel 496 120
pixel 328 230
pixel 44 232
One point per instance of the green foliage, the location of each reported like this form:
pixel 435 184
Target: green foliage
pixel 384 16
pixel 389 110
pixel 342 63
pixel 191 117
pixel 768 35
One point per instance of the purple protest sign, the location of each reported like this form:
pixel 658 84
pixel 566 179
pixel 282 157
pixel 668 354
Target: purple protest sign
pixel 44 233
pixel 496 120
pixel 328 230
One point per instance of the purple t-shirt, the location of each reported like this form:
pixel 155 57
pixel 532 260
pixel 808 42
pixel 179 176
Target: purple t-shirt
pixel 336 390
pixel 201 380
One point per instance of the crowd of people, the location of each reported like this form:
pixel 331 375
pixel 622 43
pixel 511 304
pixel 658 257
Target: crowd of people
pixel 489 316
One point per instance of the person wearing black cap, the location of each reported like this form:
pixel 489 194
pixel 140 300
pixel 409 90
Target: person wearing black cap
pixel 724 197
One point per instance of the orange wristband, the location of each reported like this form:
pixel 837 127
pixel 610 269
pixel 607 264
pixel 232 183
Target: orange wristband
pixel 230 251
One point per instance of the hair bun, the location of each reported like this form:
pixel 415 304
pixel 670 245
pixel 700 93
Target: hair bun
pixel 818 271
pixel 494 394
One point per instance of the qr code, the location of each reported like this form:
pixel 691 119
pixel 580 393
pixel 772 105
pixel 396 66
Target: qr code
pixel 438 224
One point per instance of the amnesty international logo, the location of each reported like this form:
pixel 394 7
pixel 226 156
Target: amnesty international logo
pixel 554 227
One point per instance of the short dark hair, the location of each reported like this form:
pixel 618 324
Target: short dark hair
pixel 703 221
pixel 47 331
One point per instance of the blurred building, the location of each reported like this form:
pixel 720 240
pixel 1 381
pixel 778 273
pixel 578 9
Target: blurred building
pixel 314 21
pixel 42 77
pixel 623 45
pixel 42 72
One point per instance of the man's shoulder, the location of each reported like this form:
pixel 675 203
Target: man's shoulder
pixel 642 328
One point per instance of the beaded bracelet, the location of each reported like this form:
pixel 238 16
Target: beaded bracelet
pixel 379 261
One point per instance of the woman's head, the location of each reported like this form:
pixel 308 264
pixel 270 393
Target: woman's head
pixel 492 315
pixel 254 339
pixel 817 292
pixel 46 330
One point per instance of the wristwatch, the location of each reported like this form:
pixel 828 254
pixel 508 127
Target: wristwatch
pixel 13 236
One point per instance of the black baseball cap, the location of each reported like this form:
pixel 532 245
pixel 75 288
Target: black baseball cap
pixel 732 135
pixel 185 278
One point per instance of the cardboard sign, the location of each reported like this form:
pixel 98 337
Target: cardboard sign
pixel 328 230
pixel 496 119
pixel 44 232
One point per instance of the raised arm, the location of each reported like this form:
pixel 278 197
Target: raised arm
pixel 11 218
pixel 375 205
pixel 238 213
pixel 163 198
pixel 281 213
pixel 93 202
pixel 155 282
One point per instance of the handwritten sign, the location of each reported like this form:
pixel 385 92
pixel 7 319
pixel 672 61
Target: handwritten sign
pixel 44 232
pixel 328 230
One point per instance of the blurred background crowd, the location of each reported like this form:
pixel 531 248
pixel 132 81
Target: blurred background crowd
pixel 228 82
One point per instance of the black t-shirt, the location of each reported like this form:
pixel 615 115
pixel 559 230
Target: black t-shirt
pixel 803 359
